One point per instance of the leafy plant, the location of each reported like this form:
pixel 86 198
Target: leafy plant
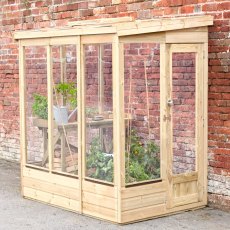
pixel 142 161
pixel 91 111
pixel 40 106
pixel 99 164
pixel 68 91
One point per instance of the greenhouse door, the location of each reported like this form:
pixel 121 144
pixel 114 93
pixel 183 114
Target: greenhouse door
pixel 184 120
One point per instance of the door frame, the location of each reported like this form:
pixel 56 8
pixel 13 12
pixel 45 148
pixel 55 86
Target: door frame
pixel 199 176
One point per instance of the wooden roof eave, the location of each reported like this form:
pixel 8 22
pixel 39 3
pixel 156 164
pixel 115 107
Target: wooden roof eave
pixel 121 28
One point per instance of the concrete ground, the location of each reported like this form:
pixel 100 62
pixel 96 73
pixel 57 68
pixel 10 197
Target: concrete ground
pixel 21 214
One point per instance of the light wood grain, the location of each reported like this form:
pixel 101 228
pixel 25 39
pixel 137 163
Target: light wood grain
pixel 143 190
pixel 51 199
pixel 54 178
pixel 143 201
pixel 99 189
pixel 143 213
pixel 52 188
pixel 99 200
pixel 100 212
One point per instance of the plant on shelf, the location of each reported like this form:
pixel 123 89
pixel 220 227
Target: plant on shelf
pixel 99 164
pixel 40 106
pixel 142 160
pixel 68 91
pixel 90 112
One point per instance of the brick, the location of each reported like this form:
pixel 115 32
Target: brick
pixel 209 7
pixel 187 9
pixel 175 2
pixel 223 6
pixel 189 2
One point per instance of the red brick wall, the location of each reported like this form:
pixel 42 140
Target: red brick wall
pixel 17 15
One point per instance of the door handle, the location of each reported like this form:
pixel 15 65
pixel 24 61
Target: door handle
pixel 170 102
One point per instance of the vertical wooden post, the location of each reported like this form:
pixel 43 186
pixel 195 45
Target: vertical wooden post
pixel 79 119
pixel 118 123
pixel 22 88
pixel 50 106
pixel 83 105
pixel 166 119
pixel 205 121
pixel 201 103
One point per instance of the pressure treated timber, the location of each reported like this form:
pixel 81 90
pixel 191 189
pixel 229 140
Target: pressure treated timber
pixel 141 190
pixel 151 38
pixel 54 178
pixel 101 21
pixel 123 29
pixel 99 212
pixel 99 189
pixel 181 178
pixel 143 201
pixel 143 213
pixel 205 122
pixel 186 37
pixel 50 187
pixel 99 200
pixel 52 199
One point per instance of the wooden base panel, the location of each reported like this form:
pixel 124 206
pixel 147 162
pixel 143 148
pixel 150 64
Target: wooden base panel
pixel 51 199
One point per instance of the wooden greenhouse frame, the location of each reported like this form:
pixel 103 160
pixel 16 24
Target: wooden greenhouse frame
pixel 116 201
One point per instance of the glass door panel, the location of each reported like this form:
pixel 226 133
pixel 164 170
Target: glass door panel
pixel 99 111
pixel 36 105
pixel 184 111
pixel 65 109
pixel 142 111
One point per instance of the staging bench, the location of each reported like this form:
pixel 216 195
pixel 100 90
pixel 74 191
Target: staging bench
pixel 62 130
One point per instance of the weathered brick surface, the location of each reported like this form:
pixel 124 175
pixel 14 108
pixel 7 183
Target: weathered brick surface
pixel 35 14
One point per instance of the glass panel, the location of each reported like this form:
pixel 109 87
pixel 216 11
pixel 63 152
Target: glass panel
pixel 36 105
pixel 183 110
pixel 98 111
pixel 65 133
pixel 142 111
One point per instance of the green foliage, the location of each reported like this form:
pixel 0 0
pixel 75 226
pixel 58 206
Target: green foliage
pixel 91 111
pixel 99 164
pixel 40 106
pixel 68 91
pixel 142 161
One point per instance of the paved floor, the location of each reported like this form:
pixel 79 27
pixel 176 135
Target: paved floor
pixel 21 214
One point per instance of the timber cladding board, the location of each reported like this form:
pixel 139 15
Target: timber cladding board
pixel 48 177
pixel 99 212
pixel 143 190
pixel 143 213
pixel 52 199
pixel 99 200
pixel 143 201
pixel 99 189
pixel 51 188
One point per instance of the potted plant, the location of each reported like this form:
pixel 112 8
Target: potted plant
pixel 40 110
pixel 68 93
